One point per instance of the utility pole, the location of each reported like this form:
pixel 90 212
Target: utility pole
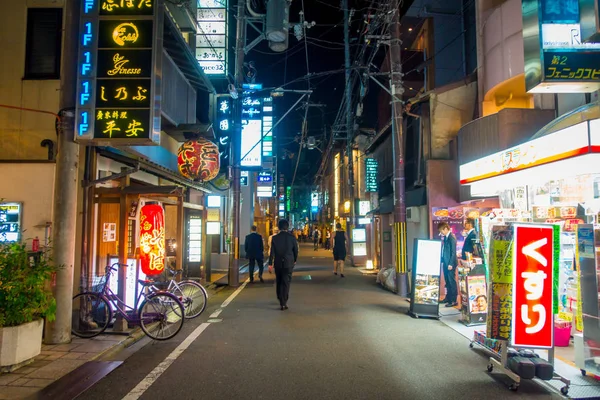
pixel 240 40
pixel 398 152
pixel 65 185
pixel 349 119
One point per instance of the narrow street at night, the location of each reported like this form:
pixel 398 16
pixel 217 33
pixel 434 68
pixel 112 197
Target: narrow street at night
pixel 342 338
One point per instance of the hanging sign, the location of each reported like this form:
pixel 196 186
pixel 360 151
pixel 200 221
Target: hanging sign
pixel 211 40
pixel 152 239
pixel 371 182
pixel 533 279
pixel 117 72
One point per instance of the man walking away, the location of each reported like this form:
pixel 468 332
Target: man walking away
pixel 449 263
pixel 254 253
pixel 315 239
pixel 282 257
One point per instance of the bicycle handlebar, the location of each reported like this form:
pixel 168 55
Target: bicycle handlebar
pixel 118 264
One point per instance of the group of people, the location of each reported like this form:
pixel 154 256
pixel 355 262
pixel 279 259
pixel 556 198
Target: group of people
pixel 449 259
pixel 283 255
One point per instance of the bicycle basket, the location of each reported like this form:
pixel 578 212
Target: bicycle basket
pixel 94 284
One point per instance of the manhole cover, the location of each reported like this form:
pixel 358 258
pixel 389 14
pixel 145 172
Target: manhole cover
pixel 214 320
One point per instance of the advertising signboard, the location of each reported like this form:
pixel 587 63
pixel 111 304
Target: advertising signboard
pixel 10 222
pixel 212 38
pixel 119 71
pixel 533 281
pixel 371 181
pixel 426 278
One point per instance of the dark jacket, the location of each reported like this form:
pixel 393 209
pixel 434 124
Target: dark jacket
pixel 449 251
pixel 469 245
pixel 254 246
pixel 284 251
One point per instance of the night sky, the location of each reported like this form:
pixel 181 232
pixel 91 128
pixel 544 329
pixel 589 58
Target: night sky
pixel 325 53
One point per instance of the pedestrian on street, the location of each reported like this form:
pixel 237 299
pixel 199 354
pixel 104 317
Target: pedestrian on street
pixel 270 240
pixel 449 263
pixel 282 258
pixel 315 239
pixel 255 249
pixel 328 240
pixel 340 244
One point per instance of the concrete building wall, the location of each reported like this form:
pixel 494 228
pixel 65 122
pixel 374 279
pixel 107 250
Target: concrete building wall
pixel 21 132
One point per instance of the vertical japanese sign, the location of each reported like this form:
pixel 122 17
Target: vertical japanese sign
pixel 267 146
pixel 119 72
pixel 252 131
pixel 371 181
pixel 500 310
pixel 224 129
pixel 211 40
pixel 533 286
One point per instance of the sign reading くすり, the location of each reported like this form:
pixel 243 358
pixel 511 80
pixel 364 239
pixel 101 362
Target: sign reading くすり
pixel 533 277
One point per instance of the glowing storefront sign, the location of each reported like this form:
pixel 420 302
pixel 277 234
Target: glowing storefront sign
pixel 364 206
pixel 212 36
pixel 336 185
pixel 10 222
pixel 564 144
pixel 116 80
pixel 251 136
pixel 152 239
pixel 533 299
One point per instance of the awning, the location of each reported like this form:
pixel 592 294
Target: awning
pixel 180 52
pixel 150 167
pixel 557 151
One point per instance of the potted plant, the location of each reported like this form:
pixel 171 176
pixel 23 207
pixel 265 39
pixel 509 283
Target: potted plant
pixel 25 301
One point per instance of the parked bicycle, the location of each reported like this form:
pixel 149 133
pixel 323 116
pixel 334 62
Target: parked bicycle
pixel 160 314
pixel 192 295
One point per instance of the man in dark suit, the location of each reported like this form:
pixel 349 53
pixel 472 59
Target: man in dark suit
pixel 469 247
pixel 449 263
pixel 283 256
pixel 254 253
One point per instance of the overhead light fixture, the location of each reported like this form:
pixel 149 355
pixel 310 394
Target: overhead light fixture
pixel 410 29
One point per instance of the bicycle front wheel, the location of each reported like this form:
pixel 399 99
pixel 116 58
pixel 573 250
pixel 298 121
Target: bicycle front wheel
pixel 90 316
pixel 193 297
pixel 161 316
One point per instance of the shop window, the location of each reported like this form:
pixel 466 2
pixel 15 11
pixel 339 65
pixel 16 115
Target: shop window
pixel 43 46
pixel 131 237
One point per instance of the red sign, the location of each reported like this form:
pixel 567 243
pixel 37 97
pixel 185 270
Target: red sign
pixel 532 286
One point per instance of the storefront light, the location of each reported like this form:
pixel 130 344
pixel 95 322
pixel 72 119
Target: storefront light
pixel 347 206
pixel 152 239
pixel 369 264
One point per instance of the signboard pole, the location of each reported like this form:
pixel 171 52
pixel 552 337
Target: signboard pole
pixel 65 187
pixel 234 268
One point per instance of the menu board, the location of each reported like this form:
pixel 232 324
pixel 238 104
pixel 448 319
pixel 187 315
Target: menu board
pixel 10 222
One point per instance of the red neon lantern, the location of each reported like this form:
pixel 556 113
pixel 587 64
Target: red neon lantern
pixel 152 239
pixel 199 160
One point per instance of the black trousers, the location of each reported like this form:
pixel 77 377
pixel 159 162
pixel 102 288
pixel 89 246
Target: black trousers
pixel 450 278
pixel 261 267
pixel 283 279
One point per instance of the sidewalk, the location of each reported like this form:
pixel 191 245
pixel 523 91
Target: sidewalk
pixel 56 361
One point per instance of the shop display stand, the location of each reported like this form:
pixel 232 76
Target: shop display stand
pixel 499 362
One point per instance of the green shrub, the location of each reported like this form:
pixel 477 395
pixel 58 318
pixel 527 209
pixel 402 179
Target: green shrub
pixel 24 295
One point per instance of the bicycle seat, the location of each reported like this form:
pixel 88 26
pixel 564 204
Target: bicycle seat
pixel 146 282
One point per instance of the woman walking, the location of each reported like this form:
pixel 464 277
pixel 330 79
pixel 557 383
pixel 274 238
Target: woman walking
pixel 340 242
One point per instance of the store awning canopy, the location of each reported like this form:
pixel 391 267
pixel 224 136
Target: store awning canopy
pixel 567 147
pixel 180 52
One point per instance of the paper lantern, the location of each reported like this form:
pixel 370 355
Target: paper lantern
pixel 152 239
pixel 199 160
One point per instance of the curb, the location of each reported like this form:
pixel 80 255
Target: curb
pixel 135 336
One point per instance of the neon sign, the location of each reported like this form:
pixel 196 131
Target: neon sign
pixel 115 99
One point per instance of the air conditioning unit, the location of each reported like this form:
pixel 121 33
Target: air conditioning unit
pixel 412 214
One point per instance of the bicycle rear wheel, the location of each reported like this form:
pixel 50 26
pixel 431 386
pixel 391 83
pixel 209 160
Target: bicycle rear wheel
pixel 161 316
pixel 91 315
pixel 193 297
